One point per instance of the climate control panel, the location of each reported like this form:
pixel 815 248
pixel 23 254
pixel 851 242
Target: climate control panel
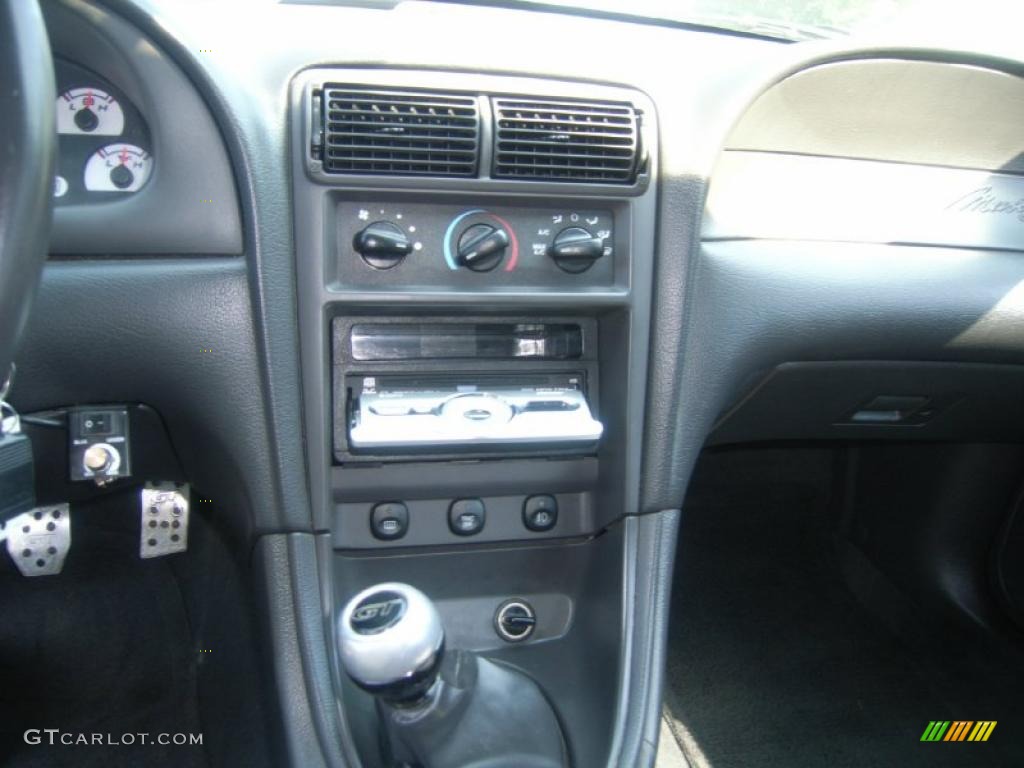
pixel 396 245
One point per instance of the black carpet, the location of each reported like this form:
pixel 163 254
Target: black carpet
pixel 104 648
pixel 774 662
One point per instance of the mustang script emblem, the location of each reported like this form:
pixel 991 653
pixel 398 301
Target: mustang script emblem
pixel 984 200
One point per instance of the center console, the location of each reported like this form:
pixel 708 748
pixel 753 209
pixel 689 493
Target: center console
pixel 474 261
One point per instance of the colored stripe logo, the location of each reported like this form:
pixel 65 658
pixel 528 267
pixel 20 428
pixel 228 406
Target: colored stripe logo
pixel 958 730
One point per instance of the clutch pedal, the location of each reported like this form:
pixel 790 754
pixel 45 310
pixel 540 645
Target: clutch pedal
pixel 39 540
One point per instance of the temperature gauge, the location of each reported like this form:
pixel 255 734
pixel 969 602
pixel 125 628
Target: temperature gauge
pixel 89 111
pixel 118 168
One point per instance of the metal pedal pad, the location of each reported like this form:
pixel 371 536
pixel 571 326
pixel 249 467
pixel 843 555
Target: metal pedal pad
pixel 39 540
pixel 164 529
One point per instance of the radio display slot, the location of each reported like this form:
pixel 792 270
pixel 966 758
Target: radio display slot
pixel 473 341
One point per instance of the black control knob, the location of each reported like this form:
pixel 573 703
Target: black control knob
pixel 382 244
pixel 482 247
pixel 575 249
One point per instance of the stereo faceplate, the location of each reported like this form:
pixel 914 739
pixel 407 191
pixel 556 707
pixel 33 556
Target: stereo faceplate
pixel 473 387
pixel 409 413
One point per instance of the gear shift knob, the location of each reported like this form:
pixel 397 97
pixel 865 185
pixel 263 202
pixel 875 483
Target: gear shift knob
pixel 391 641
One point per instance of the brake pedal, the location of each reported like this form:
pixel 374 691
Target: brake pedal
pixel 164 519
pixel 39 540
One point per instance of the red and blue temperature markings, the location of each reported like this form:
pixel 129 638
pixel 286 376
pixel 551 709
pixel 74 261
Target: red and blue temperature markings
pixel 513 257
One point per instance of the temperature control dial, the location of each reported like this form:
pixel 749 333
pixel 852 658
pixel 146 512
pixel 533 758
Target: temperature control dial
pixel 480 241
pixel 481 247
pixel 575 249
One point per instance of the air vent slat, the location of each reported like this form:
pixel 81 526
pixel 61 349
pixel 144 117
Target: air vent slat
pixel 530 146
pixel 568 167
pixel 381 103
pixel 518 131
pixel 566 141
pixel 550 107
pixel 390 118
pixel 421 145
pixel 408 116
pixel 405 126
pixel 400 132
pixel 526 118
pixel 566 158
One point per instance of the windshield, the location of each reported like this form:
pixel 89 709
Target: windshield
pixel 818 19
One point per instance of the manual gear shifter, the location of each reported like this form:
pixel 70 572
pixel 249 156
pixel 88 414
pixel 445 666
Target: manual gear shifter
pixel 391 642
pixel 437 709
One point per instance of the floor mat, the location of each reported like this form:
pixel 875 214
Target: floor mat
pixel 101 652
pixel 773 662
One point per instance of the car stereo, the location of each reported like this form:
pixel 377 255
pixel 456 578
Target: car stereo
pixel 476 387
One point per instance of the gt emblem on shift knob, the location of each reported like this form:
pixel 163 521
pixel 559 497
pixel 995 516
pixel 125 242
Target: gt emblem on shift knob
pixel 377 612
pixel 391 641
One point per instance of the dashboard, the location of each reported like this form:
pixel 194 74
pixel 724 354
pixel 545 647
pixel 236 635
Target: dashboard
pixel 465 315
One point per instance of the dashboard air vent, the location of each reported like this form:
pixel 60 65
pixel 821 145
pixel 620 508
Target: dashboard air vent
pixel 395 132
pixel 566 140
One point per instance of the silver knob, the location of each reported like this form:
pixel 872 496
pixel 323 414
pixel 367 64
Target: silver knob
pixel 391 641
pixel 101 458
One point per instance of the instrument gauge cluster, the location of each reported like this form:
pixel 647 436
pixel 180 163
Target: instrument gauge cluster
pixel 105 148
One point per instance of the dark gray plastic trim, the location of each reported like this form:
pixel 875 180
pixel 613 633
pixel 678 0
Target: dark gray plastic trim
pixel 648 568
pixel 452 479
pixel 816 401
pixel 287 568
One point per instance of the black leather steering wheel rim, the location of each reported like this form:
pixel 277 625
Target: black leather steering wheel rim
pixel 28 145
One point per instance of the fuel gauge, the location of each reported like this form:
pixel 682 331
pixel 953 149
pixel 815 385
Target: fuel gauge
pixel 89 111
pixel 117 168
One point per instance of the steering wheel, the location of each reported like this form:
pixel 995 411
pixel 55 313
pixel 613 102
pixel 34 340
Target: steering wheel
pixel 28 144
